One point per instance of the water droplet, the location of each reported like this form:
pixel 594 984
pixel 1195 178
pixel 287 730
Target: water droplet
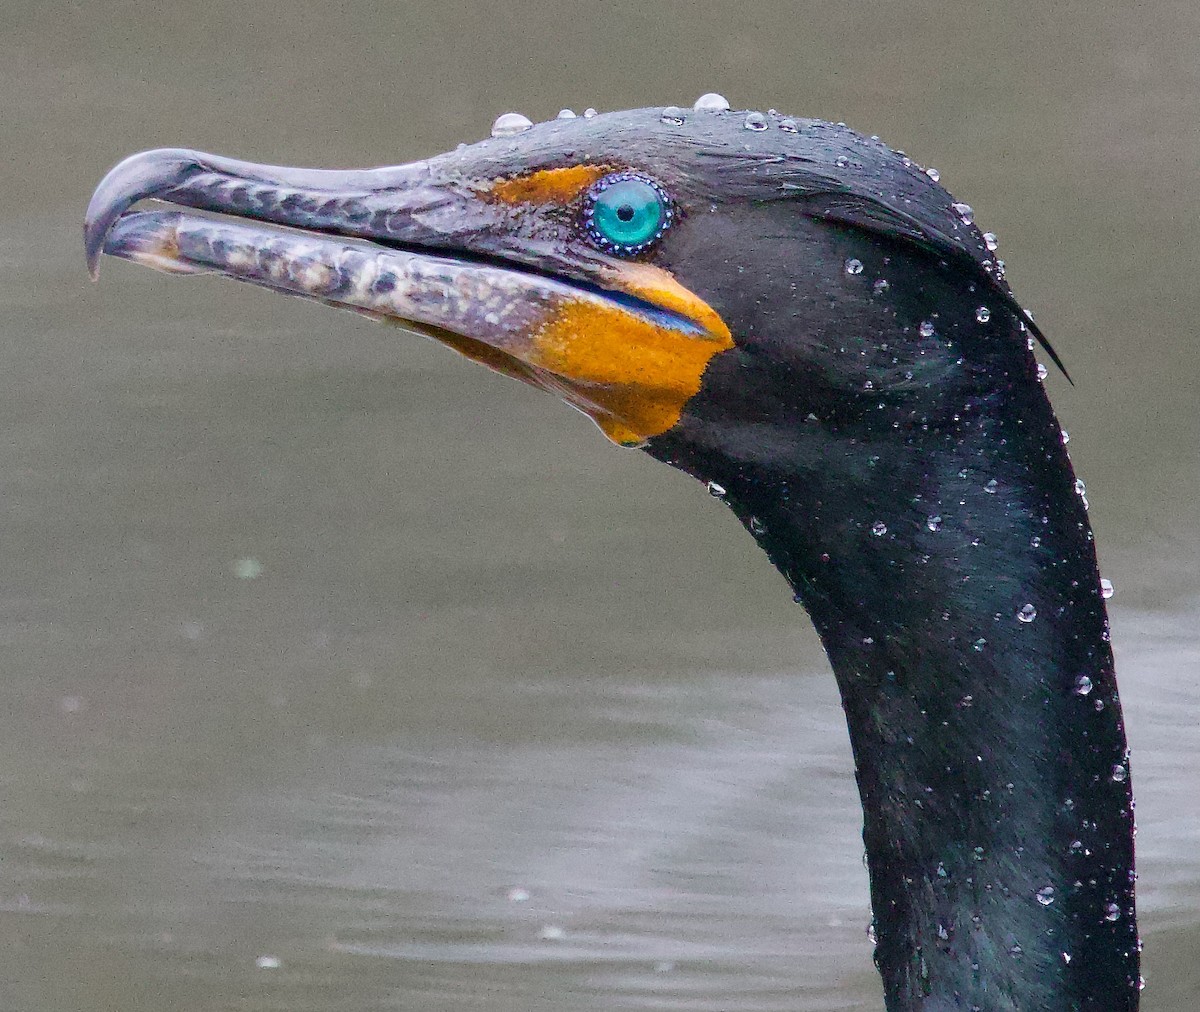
pixel 880 286
pixel 1066 437
pixel 879 528
pixel 933 174
pixel 872 933
pixel 1042 371
pixel 964 211
pixel 268 963
pixel 788 126
pixel 1106 588
pixel 711 102
pixel 977 853
pixel 1119 773
pixel 715 489
pixel 755 121
pixel 990 241
pixel 941 871
pixel 1076 846
pixel 590 113
pixel 841 161
pixel 1083 685
pixel 1080 487
pixel 757 526
pixel 926 329
pixel 517 895
pixel 565 114
pixel 551 933
pixel 1045 895
pixel 510 123
pixel 854 266
pixel 1035 542
pixel 983 314
pixel 247 569
pixel 1016 951
pixel 980 643
pixel 1112 912
pixel 1027 613
pixel 992 487
pixel 934 523
pixel 1099 705
pixel 1066 957
pixel 674 115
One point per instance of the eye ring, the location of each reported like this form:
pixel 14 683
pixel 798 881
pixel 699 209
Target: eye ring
pixel 626 213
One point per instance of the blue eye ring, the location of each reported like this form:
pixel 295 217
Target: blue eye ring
pixel 650 211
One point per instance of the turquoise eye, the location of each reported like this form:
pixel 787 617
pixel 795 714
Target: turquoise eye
pixel 626 213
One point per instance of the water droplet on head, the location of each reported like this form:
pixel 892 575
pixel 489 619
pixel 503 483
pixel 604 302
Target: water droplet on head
pixel 788 126
pixel 757 526
pixel 1119 773
pixel 926 329
pixel 755 121
pixel 980 643
pixel 1026 613
pixel 990 241
pixel 715 489
pixel 964 211
pixel 841 161
pixel 1112 912
pixel 983 314
pixel 1042 371
pixel 1045 895
pixel 934 523
pixel 933 174
pixel 565 114
pixel 711 102
pixel 854 266
pixel 510 123
pixel 1016 951
pixel 590 113
pixel 992 487
pixel 268 963
pixel 1106 588
pixel 1080 487
pixel 879 528
pixel 1066 957
pixel 1083 685
pixel 674 115
pixel 880 286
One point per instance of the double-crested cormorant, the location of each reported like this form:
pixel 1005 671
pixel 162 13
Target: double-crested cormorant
pixel 804 319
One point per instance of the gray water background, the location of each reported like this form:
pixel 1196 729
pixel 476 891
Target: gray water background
pixel 319 645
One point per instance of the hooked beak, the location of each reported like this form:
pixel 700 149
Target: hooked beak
pixel 431 248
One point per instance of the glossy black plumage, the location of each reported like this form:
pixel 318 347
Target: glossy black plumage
pixel 880 428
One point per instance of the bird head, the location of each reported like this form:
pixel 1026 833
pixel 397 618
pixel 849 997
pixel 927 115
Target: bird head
pixel 657 269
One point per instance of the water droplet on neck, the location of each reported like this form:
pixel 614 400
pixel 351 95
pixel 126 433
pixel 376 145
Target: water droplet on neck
pixel 715 489
pixel 983 314
pixel 674 115
pixel 565 114
pixel 926 329
pixel 854 266
pixel 510 123
pixel 788 126
pixel 1026 613
pixel 1112 912
pixel 1042 371
pixel 1083 685
pixel 933 174
pixel 879 528
pixel 990 241
pixel 992 487
pixel 590 113
pixel 1119 773
pixel 1106 588
pixel 934 523
pixel 964 211
pixel 841 161
pixel 1045 895
pixel 711 102
pixel 1080 487
pixel 755 121
pixel 880 286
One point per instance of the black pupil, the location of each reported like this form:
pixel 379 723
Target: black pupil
pixel 625 212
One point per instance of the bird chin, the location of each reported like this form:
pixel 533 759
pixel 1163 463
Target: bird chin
pixel 627 361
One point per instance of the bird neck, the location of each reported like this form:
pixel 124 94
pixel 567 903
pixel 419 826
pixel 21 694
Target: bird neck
pixel 954 585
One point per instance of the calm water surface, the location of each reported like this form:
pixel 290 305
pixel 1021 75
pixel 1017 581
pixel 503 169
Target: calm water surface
pixel 340 674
